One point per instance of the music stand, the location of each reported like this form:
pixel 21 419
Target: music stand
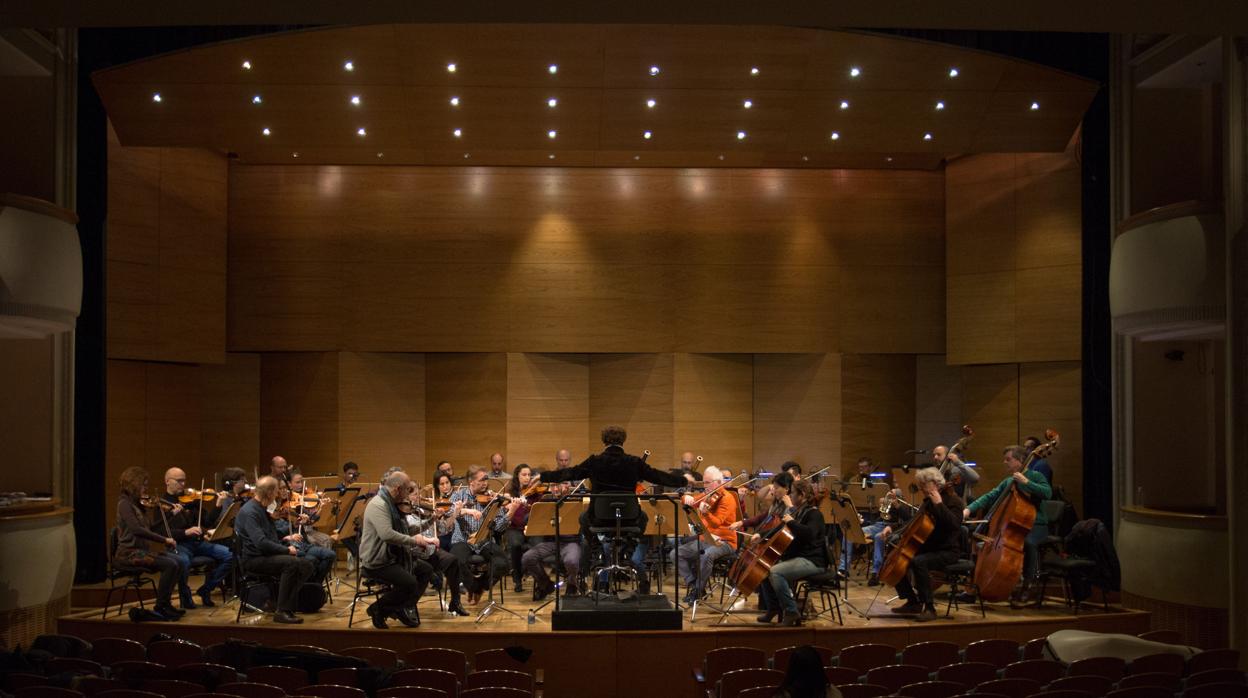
pixel 225 527
pixel 542 523
pixel 662 524
pixel 345 524
pixel 844 514
pixel 903 479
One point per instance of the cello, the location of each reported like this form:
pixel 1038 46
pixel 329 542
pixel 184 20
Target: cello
pixel 913 535
pixel 999 565
pixel 755 561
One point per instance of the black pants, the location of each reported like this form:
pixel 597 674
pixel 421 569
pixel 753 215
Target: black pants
pixel 171 571
pixel 516 545
pixel 406 587
pixel 496 565
pixel 921 568
pixel 451 569
pixel 292 573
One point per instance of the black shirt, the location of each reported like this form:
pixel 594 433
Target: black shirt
pixel 256 533
pixel 948 518
pixel 808 531
pixel 613 470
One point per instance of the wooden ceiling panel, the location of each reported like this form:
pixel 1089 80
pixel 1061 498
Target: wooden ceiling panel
pixel 889 63
pixel 1011 125
pixel 706 57
pixel 492 55
pixel 702 120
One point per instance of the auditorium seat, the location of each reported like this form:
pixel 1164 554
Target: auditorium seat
pixel 210 695
pixel 1171 682
pixel 1041 671
pixel 896 675
pixel 932 655
pixel 22 679
pixel 722 659
pixel 442 658
pixel 208 674
pixel 329 690
pixel 133 670
pixel 967 673
pixel 1112 668
pixel 127 693
pixel 284 677
pixel 758 692
pixel 505 678
pixel 1213 659
pixel 91 685
pixel 1160 663
pixel 1034 649
pixel 73 665
pixel 431 678
pixel 412 692
pixel 733 682
pixel 1062 694
pixel 172 688
pixel 110 650
pixel 304 648
pixel 500 659
pixel 47 692
pixel 1170 637
pixel 780 659
pixel 1216 690
pixel 1097 685
pixel 251 689
pixel 495 692
pixel 174 653
pixel 838 675
pixel 931 689
pixel 339 676
pixel 1215 676
pixel 997 652
pixel 1015 688
pixel 866 656
pixel 377 656
pixel 863 690
pixel 1139 692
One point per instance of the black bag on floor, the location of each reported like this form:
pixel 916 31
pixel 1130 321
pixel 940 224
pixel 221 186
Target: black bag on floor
pixel 311 597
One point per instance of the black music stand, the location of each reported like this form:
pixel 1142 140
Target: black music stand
pixel 843 512
pixel 544 520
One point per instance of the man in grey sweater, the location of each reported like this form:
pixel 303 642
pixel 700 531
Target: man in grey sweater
pixel 385 554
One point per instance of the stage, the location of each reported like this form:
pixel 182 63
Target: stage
pixel 621 663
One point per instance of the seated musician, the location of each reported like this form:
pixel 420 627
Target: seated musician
pixel 770 494
pixel 443 488
pixel 264 553
pixel 187 527
pixel 141 548
pixel 312 512
pixel 350 473
pixel 294 528
pixel 468 521
pixel 806 555
pixel 957 473
pixel 233 485
pixel 1041 464
pixel 939 550
pixel 877 524
pixel 569 547
pixel 1035 487
pixel 384 554
pixel 426 523
pixel 719 510
pixel 793 468
pixel 517 517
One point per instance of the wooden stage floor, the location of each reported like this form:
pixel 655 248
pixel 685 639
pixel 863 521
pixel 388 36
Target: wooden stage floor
pixel 623 663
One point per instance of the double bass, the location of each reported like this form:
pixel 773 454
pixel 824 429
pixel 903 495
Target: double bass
pixel 956 478
pixel 999 565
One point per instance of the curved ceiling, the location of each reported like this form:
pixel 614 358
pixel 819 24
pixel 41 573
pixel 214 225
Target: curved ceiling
pixel 722 96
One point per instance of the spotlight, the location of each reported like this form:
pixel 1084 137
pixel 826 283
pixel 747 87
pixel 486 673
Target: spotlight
pixel 246 65
pixel 256 100
pixel 654 70
pixel 854 72
pixel 940 106
pixel 753 71
pixel 927 136
pixel 295 154
pixel 953 72
pixel 552 102
pixel 457 132
pixel 361 132
pixel 650 103
pixel 1035 106
pixel 552 133
pixel 454 101
pixel 451 67
pixel 156 97
pixel 348 66
pixel 836 136
pixel 551 156
pixel 552 69
pixel 747 104
pixel 646 135
pixel 355 99
pixel 844 104
pixel 266 131
pixel 740 135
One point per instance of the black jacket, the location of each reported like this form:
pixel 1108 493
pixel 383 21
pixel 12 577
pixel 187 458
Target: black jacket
pixel 256 534
pixel 809 532
pixel 613 470
pixel 948 517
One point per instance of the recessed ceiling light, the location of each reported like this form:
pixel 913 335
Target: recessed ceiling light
pixel 927 136
pixel 953 72
pixel 747 104
pixel 836 136
pixel 467 155
pixel 266 131
pixel 654 70
pixel 361 132
pixel 636 157
pixel 844 104
pixel 551 156
pixel 721 157
pixel 457 132
pixel 740 135
pixel 257 100
pixel 355 99
pixel 888 159
pixel 451 67
pixel 805 158
pixel 552 133
pixel 650 103
pixel 1035 106
pixel 454 101
pixel 381 155
pixel 854 72
pixel 552 69
pixel 156 97
pixel 940 105
pixel 295 154
pixel 348 66
pixel 246 65
pixel 646 135
pixel 753 71
pixel 552 102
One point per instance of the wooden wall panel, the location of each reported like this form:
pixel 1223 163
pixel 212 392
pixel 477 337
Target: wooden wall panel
pixel 797 410
pixel 299 410
pixel 125 426
pixel 990 406
pixel 937 402
pixel 1050 395
pixel 230 413
pixel 877 408
pixel 381 413
pixel 465 407
pixel 547 407
pixel 712 407
pixel 893 310
pixel 981 318
pixel 634 391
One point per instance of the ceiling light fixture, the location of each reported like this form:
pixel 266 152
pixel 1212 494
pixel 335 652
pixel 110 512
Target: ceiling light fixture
pixel 295 154
pixel 854 72
pixel 156 97
pixel 646 135
pixel 551 156
pixel 246 65
pixel 467 155
pixel 927 136
pixel 348 66
pixel 953 72
pixel 361 132
pixel 1035 106
pixel 747 104
pixel 451 67
pixel 355 99
pixel 650 103
pixel 740 135
pixel 552 102
pixel 721 157
pixel 654 70
pixel 454 101
pixel 836 136
pixel 940 106
pixel 381 155
pixel 552 133
pixel 805 158
pixel 844 104
pixel 459 132
pixel 754 71
pixel 552 69
pixel 266 131
pixel 257 100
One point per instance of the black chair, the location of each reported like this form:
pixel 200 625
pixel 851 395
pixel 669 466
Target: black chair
pixel 827 584
pixel 245 583
pixel 615 518
pixel 134 577
pixel 960 576
pixel 365 587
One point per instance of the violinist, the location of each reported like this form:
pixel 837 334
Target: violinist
pixel 134 539
pixel 350 473
pixel 310 510
pixel 385 554
pixel 293 528
pixel 263 551
pixel 940 549
pixel 233 485
pixel 425 519
pixel 771 494
pixel 278 467
pixel 517 517
pixel 443 488
pixel 187 528
pixel 805 556
pixel 1033 484
pixel 472 502
pixel 793 468
pixel 719 510
pixel 569 547
pixel 960 476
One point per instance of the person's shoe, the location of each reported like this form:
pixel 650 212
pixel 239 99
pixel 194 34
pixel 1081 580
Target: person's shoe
pixel 205 598
pixel 769 616
pixel 842 575
pixel 408 617
pixel 873 580
pixel 187 602
pixel 791 620
pixel 570 589
pixel 542 590
pixel 457 608
pixel 167 612
pixel 290 618
pixel 910 608
pixel 928 613
pixel 643 586
pixel 519 585
pixel 378 616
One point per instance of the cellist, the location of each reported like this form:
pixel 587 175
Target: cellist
pixel 1035 486
pixel 940 549
pixel 805 556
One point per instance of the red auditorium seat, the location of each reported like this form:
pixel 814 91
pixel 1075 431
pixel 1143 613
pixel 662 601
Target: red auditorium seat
pixel 733 682
pixel 73 665
pixel 172 688
pixel 1041 671
pixel 208 674
pixel 931 689
pixel 412 692
pixel 429 678
pixel 250 689
pixel 1015 688
pixel 442 658
pixel 377 656
pixel 722 659
pixel 1152 678
pixel 47 692
pixel 127 693
pixel 210 695
pixel 1062 694
pixel 341 676
pixel 1096 685
pixel 866 657
pixel 498 659
pixel 329 690
pixel 1217 690
pixel 175 653
pixel 110 650
pixel 129 670
pixel 504 678
pixel 1112 668
pixel 21 679
pixel 1170 637
pixel 897 675
pixel 495 692
pixel 838 675
pixel 967 673
pixel 780 660
pixel 1160 663
pixel 304 648
pixel 1139 692
pixel 758 692
pixel 863 690
pixel 997 652
pixel 1034 649
pixel 1216 676
pixel 932 655
pixel 286 678
pixel 1213 659
pixel 91 685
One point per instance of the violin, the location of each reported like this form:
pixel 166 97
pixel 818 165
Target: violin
pixel 193 495
pixel 147 501
pixel 306 500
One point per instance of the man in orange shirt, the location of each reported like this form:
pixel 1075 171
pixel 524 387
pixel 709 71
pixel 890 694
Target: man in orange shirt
pixel 718 512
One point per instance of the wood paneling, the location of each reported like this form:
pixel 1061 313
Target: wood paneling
pixel 895 310
pixel 465 407
pixel 381 413
pixel 990 406
pixel 230 413
pixel 877 408
pixel 634 391
pixel 547 407
pixel 797 409
pixel 1050 395
pixel 299 410
pixel 712 407
pixel 937 401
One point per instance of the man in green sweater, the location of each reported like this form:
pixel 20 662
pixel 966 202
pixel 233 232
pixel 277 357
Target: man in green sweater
pixel 1035 487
